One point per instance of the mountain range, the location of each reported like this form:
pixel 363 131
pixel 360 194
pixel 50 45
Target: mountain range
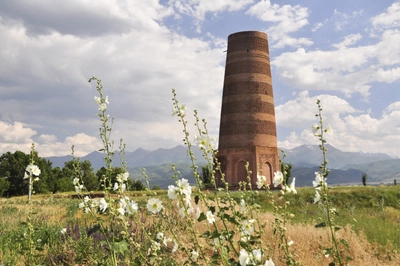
pixel 346 168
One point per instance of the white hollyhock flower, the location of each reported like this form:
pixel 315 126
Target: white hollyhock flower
pixel 210 217
pixel 269 263
pixel 103 205
pixel 244 257
pixel 278 178
pixel 315 128
pixel 154 205
pixel 261 181
pixel 194 255
pixel 257 255
pixel 179 111
pixel 292 186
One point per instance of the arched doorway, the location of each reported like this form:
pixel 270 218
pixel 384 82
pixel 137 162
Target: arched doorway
pixel 267 171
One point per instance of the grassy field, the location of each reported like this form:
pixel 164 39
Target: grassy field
pixel 370 217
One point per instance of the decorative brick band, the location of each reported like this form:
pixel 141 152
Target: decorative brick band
pixel 247 106
pixel 247 87
pixel 247 67
pixel 257 55
pixel 247 127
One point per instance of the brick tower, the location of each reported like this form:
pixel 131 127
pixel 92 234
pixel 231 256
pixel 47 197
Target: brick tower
pixel 248 128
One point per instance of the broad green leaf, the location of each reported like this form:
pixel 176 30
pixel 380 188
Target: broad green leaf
pixel 119 247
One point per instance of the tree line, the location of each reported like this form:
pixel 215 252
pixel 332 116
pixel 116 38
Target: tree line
pixel 52 180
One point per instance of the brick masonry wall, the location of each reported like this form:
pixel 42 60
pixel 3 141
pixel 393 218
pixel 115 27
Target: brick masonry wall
pixel 248 125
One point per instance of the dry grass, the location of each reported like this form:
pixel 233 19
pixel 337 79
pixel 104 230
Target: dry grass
pixel 309 241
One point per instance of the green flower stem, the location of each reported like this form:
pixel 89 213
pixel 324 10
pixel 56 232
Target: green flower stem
pixel 325 172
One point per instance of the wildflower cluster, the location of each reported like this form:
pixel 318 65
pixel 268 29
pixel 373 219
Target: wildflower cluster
pixel 32 172
pixel 253 258
pixel 279 180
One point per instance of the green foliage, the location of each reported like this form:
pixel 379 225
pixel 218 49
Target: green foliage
pixel 155 187
pixel 4 185
pixel 206 175
pixel 287 170
pixel 136 185
pixel 364 179
pixel 103 172
pixel 86 172
pixel 13 165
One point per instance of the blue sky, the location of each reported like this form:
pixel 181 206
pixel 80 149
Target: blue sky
pixel 345 53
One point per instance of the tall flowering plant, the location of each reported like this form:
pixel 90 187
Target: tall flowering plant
pixel 322 192
pixel 31 173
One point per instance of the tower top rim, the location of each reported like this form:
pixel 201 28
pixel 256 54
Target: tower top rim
pixel 247 34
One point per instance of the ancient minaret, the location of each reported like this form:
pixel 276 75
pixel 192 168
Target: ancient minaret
pixel 248 128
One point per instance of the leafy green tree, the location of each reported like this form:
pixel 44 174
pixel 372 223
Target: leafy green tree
pixel 46 183
pixel 102 172
pixel 206 175
pixel 62 183
pixel 156 187
pixel 87 174
pixel 364 179
pixel 4 185
pixel 136 185
pixel 12 166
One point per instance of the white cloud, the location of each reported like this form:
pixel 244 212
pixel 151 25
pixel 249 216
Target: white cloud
pixel 197 9
pixel 342 19
pixel 326 70
pixel 45 138
pixel 386 50
pixel 353 130
pixel 349 68
pixel 317 26
pixel 388 19
pixel 84 18
pixel 16 136
pixel 83 144
pixel 348 41
pixel 15 133
pixel 287 19
pixel 388 76
pixel 138 69
pixel 301 111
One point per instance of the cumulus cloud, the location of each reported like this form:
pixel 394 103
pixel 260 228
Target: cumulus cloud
pixel 348 68
pixel 327 70
pixel 83 144
pixel 83 18
pixel 354 130
pixel 199 8
pixel 15 133
pixel 388 19
pixel 138 65
pixel 287 19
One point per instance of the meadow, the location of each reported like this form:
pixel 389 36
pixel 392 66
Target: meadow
pixel 256 224
pixel 371 216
